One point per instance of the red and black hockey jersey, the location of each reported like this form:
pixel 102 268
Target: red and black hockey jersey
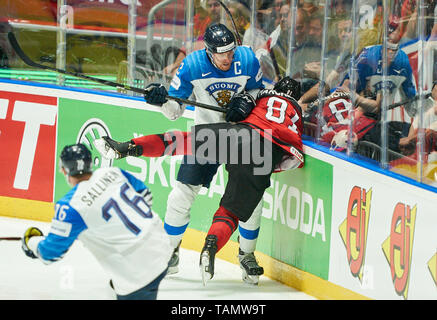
pixel 278 117
pixel 335 115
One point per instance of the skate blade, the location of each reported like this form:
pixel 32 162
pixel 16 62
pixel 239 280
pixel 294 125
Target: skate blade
pixel 252 280
pixel 104 149
pixel 204 265
pixel 172 270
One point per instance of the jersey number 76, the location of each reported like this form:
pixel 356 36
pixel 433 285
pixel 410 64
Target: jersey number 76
pixel 133 203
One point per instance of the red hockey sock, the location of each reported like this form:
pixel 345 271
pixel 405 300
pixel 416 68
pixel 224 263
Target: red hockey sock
pixel 171 143
pixel 223 226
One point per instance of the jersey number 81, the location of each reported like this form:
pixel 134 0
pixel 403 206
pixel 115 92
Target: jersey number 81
pixel 280 106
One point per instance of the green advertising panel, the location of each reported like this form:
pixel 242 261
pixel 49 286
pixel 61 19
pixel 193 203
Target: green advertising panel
pixel 296 223
pixel 296 219
pixel 82 121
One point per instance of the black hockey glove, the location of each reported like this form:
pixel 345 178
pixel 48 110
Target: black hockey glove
pixel 240 106
pixel 111 149
pixel 156 93
pixel 29 233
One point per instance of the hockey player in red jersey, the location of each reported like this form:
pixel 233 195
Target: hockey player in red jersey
pixel 266 139
pixel 336 118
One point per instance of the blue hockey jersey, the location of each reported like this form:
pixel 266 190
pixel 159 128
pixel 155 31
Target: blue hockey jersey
pixel 399 80
pixel 399 73
pixel 109 215
pixel 198 76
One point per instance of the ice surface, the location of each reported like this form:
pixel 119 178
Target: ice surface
pixel 78 276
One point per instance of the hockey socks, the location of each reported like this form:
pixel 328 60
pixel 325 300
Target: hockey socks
pixel 224 223
pixel 171 143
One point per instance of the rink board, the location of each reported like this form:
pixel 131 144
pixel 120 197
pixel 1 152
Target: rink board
pixel 334 229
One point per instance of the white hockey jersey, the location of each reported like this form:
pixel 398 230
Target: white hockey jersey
pixel 109 215
pixel 198 76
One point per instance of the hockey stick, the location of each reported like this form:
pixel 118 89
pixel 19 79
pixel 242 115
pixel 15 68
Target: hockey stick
pixel 316 102
pixel 275 63
pixel 10 238
pixel 34 64
pixel 232 20
pixel 398 104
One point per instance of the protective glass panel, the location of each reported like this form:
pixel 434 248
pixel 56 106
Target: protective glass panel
pixel 417 38
pixel 367 67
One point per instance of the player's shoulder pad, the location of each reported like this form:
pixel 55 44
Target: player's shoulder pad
pixel 195 62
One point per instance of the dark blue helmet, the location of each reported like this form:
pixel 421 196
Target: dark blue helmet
pixel 76 159
pixel 218 39
pixel 288 86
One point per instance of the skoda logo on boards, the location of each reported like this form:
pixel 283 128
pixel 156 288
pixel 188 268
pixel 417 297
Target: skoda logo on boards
pixel 91 130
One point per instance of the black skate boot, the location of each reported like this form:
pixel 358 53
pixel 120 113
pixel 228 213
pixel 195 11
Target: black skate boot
pixel 173 265
pixel 251 270
pixel 207 257
pixel 111 149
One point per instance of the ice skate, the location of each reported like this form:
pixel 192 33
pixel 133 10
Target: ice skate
pixel 207 257
pixel 111 149
pixel 250 268
pixel 173 265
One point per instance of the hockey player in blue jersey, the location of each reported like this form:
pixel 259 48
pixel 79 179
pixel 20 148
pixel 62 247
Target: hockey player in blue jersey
pixel 399 83
pixel 214 76
pixel 399 73
pixel 109 211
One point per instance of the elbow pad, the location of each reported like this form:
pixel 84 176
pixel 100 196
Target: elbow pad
pixel 172 110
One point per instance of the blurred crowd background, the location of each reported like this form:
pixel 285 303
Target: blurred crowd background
pixel 368 68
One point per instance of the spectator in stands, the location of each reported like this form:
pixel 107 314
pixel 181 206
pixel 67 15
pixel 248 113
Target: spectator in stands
pixel 278 42
pixel 399 83
pixel 306 58
pixel 241 14
pixel 269 14
pixel 255 36
pixel 310 6
pixel 276 12
pixel 342 8
pixel 340 54
pixel 409 20
pixel 408 144
pixel 410 147
pixel 207 12
pixel 407 10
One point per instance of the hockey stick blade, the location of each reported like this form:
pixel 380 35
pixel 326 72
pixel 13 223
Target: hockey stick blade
pixel 30 62
pixel 398 104
pixel 10 238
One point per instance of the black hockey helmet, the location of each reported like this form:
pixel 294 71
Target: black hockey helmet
pixel 289 87
pixel 76 159
pixel 218 39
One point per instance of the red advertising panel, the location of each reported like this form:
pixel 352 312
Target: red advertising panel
pixel 28 144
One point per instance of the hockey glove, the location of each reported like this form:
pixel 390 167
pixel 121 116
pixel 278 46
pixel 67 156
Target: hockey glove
pixel 155 93
pixel 111 149
pixel 29 233
pixel 240 106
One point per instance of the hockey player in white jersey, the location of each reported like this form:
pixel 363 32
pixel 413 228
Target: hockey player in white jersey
pixel 109 211
pixel 213 75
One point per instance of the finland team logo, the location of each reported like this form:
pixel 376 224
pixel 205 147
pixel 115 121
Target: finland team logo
pixel 223 91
